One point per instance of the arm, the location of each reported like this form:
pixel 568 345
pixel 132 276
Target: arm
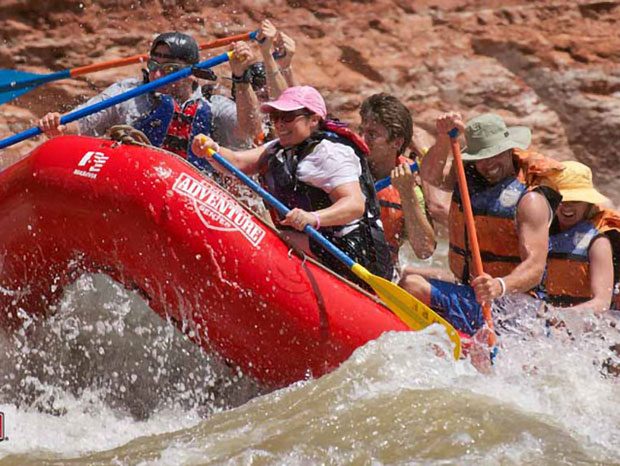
pixel 432 169
pixel 50 125
pixel 533 231
pixel 275 81
pixel 248 117
pixel 420 234
pixel 287 44
pixel 348 205
pixel 438 207
pixel 601 276
pixel 247 161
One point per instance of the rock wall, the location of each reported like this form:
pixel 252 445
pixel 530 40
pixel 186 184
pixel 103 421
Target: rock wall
pixel 551 65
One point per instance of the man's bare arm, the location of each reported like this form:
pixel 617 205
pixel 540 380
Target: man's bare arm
pixel 434 163
pixel 601 276
pixel 533 231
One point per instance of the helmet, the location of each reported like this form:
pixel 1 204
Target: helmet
pixel 258 78
pixel 182 47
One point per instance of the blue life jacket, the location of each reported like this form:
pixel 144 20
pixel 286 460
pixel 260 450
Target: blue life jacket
pixel 568 263
pixel 173 128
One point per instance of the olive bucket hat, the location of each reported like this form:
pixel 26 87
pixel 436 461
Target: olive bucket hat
pixel 487 136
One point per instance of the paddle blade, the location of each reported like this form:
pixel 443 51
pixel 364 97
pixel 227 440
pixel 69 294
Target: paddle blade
pixel 410 310
pixel 7 96
pixel 11 84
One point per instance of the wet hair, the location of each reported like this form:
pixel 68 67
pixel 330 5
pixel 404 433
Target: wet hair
pixel 392 114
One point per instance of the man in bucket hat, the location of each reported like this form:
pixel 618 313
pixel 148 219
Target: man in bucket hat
pixel 584 239
pixel 173 114
pixel 512 214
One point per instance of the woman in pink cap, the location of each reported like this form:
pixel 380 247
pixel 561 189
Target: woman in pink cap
pixel 322 176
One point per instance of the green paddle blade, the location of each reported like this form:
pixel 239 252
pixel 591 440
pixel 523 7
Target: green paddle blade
pixel 409 309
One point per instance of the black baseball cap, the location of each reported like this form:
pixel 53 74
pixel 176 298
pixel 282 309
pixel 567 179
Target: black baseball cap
pixel 182 47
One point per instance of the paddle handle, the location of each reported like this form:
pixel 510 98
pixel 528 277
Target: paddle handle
pixel 387 181
pixel 471 226
pixel 281 208
pixel 143 89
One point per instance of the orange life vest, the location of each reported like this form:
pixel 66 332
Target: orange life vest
pixel 495 212
pixel 392 213
pixel 567 281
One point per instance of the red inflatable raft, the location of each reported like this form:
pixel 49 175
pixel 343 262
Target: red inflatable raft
pixel 154 223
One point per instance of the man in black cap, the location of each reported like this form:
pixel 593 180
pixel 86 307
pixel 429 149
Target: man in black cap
pixel 171 116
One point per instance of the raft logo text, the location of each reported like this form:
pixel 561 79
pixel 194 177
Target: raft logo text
pixel 214 205
pixel 94 161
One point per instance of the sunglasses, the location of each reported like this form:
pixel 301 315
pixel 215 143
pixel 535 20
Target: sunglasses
pixel 288 117
pixel 167 68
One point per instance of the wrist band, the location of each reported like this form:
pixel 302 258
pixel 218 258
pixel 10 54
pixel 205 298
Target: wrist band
pixel 281 71
pixel 318 220
pixel 243 79
pixel 502 284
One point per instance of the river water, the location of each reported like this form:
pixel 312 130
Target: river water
pixel 106 381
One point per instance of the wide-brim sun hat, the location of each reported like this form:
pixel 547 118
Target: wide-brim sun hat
pixel 296 98
pixel 575 184
pixel 487 136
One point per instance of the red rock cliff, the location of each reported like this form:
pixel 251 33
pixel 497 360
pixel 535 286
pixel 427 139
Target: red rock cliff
pixel 550 65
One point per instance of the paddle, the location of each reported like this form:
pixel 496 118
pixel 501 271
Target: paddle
pixel 471 231
pixel 387 181
pixel 409 309
pixel 89 110
pixel 14 83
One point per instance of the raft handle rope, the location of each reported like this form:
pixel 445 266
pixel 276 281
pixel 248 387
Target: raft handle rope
pixel 128 135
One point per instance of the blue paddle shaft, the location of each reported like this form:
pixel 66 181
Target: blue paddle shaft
pixel 281 208
pixel 77 114
pixel 387 181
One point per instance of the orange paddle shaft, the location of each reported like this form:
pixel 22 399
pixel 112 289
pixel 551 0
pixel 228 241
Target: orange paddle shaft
pixel 141 58
pixel 471 229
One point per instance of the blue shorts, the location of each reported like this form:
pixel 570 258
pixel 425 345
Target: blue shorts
pixel 457 304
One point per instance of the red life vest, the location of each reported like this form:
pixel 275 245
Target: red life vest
pixel 173 127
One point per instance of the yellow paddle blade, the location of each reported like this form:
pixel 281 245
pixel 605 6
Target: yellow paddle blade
pixel 409 309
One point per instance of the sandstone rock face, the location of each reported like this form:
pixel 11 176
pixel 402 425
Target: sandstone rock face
pixel 549 64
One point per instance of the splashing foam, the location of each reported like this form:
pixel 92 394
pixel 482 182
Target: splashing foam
pixel 106 355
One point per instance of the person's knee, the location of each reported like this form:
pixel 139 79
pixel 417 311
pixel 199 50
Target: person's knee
pixel 430 273
pixel 413 283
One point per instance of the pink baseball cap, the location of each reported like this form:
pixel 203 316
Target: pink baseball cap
pixel 296 98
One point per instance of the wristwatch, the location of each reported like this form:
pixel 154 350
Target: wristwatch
pixel 244 78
